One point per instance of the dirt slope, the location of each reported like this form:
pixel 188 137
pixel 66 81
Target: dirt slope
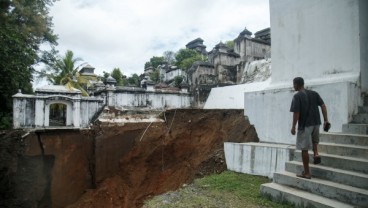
pixel 119 165
pixel 166 157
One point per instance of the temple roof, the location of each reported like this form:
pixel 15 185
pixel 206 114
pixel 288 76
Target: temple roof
pixel 57 89
pixel 245 32
pixel 198 40
pixel 110 80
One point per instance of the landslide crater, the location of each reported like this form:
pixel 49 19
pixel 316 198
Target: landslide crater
pixel 120 164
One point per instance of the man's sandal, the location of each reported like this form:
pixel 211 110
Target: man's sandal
pixel 303 176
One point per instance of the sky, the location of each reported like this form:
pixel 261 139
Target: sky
pixel 126 34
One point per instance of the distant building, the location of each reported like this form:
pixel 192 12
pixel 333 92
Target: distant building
pixel 197 45
pixel 168 73
pixel 225 65
pixel 88 74
pixel 250 48
pixel 264 35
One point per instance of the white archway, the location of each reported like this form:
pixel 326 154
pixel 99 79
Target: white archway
pixel 59 100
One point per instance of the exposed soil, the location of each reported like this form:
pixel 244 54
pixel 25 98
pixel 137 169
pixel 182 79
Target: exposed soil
pixel 121 164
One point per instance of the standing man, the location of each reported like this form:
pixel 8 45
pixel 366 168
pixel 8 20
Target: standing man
pixel 306 113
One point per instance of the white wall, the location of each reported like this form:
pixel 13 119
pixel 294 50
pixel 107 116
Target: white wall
pixel 269 110
pixel 314 38
pixel 232 97
pixel 31 111
pixel 363 25
pixel 257 158
pixel 156 100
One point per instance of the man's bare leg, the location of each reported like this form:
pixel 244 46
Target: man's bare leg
pixel 315 149
pixel 317 158
pixel 305 158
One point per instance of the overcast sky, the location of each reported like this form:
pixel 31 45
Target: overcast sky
pixel 126 34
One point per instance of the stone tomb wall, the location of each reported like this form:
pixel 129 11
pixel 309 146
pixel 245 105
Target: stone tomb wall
pixel 33 111
pixel 140 98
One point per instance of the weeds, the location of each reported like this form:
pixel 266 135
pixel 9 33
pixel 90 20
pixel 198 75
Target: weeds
pixel 228 189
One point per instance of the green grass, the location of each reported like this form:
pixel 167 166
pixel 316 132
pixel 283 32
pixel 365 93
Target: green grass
pixel 228 189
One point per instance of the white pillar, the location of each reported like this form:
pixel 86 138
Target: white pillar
pixel 39 112
pixel 16 112
pixel 76 113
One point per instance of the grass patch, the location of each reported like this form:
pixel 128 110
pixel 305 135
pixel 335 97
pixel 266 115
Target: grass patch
pixel 228 189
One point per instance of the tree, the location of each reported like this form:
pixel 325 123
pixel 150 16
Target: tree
pixel 230 44
pixel 186 57
pixel 64 72
pixel 178 80
pixel 154 62
pixel 169 57
pixel 119 77
pixel 155 76
pixel 134 80
pixel 24 26
pixel 147 64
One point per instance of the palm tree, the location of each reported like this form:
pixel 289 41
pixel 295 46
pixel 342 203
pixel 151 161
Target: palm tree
pixel 64 72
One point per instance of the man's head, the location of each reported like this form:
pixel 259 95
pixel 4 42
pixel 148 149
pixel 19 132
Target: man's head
pixel 298 83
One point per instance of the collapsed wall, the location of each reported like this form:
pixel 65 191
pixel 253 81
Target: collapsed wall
pixel 118 164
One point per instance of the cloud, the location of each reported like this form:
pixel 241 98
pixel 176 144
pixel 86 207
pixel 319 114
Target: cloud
pixel 126 34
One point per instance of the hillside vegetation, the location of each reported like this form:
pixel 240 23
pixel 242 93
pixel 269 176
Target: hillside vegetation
pixel 228 189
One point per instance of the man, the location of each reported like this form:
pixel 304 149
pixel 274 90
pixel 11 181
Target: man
pixel 305 112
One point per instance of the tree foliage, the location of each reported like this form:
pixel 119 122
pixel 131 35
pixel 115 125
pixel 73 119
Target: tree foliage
pixel 134 80
pixel 154 62
pixel 119 77
pixel 24 26
pixel 186 57
pixel 230 44
pixel 64 72
pixel 178 80
pixel 169 57
pixel 155 76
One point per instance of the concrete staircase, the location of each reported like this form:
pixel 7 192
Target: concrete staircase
pixel 341 180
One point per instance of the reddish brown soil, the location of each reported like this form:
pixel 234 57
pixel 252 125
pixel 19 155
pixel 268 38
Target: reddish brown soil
pixel 164 158
pixel 116 165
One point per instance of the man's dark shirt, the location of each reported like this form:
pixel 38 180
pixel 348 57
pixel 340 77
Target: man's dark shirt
pixel 306 102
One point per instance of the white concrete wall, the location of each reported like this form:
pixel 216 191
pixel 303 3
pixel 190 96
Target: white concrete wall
pixel 315 38
pixel 155 100
pixel 23 112
pixel 257 158
pixel 232 97
pixel 363 25
pixel 269 110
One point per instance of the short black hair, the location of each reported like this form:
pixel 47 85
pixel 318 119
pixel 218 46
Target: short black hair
pixel 298 81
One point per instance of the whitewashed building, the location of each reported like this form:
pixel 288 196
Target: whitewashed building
pixel 54 105
pixel 326 43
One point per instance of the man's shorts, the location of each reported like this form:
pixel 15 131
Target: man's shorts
pixel 306 137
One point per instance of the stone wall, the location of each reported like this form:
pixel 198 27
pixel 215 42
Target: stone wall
pixel 250 49
pixel 140 98
pixel 33 111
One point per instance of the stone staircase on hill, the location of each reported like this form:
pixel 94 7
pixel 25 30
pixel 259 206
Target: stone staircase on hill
pixel 341 180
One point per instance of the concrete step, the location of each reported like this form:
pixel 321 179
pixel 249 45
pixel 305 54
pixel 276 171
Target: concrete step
pixel 363 109
pixel 361 118
pixel 332 190
pixel 355 179
pixel 336 161
pixel 343 149
pixel 343 138
pixel 355 128
pixel 297 197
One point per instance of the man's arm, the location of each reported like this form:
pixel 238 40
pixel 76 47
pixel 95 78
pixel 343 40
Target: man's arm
pixel 295 120
pixel 324 113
